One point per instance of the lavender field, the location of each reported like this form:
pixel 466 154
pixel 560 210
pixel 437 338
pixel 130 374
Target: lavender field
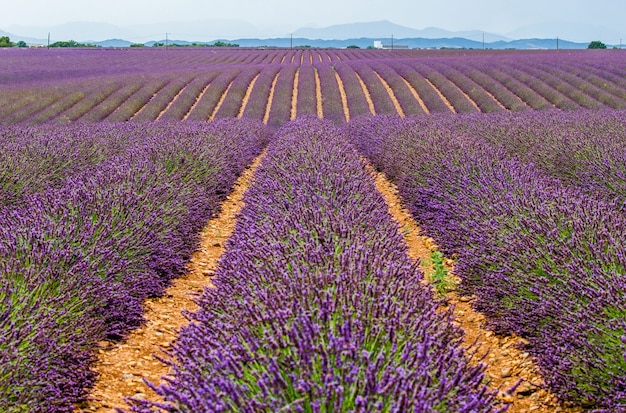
pixel 514 162
pixel 61 86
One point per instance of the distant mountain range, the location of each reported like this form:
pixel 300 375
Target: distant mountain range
pixel 385 29
pixel 338 36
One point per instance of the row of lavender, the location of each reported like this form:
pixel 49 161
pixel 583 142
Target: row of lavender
pixel 40 65
pixel 317 306
pixel 531 206
pixel 96 219
pixel 423 84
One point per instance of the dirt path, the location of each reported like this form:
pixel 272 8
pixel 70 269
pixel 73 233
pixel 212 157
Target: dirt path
pixel 443 98
pixel 294 96
pixel 366 92
pixel 198 98
pixel 495 99
pixel 219 103
pixel 416 96
pixel 318 95
pixel 468 97
pixel 122 366
pixel 344 98
pixel 174 99
pixel 270 99
pixel 506 363
pixel 246 97
pixel 391 94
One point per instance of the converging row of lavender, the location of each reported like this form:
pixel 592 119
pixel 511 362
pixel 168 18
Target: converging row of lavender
pixel 192 84
pixel 94 219
pixel 532 207
pixel 317 306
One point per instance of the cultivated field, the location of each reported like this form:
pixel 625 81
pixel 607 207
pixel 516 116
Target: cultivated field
pixel 275 86
pixel 512 162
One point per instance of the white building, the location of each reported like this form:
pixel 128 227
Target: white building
pixel 378 44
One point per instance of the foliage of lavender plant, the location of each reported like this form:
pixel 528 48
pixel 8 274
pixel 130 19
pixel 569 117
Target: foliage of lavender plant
pixel 234 99
pixel 255 109
pixel 317 306
pixel 68 85
pixel 307 95
pixel 78 258
pixel 355 96
pixel 283 91
pixel 545 258
pixel 331 99
pixel 379 95
pixel 405 98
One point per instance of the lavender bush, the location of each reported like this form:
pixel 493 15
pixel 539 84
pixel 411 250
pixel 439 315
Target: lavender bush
pixel 331 99
pixel 281 105
pixel 357 103
pixel 378 93
pixel 232 104
pixel 307 97
pixel 77 259
pixel 260 93
pixel 545 259
pixel 316 305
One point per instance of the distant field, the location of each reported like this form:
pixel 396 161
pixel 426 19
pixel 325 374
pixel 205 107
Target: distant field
pixel 277 85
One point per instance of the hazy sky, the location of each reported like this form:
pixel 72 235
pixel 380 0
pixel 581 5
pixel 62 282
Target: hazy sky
pixel 277 17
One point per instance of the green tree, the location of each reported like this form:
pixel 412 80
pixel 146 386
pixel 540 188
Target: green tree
pixel 5 41
pixel 21 43
pixel 353 46
pixel 70 43
pixel 596 44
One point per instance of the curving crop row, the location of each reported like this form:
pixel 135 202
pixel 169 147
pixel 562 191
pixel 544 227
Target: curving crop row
pixel 259 97
pixel 379 95
pixel 159 101
pixel 408 102
pixel 545 259
pixel 499 91
pixel 483 101
pixel 135 102
pixel 355 96
pixel 208 102
pixel 234 99
pixel 280 110
pixel 307 94
pixel 79 86
pixel 78 259
pixel 188 97
pixel 317 306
